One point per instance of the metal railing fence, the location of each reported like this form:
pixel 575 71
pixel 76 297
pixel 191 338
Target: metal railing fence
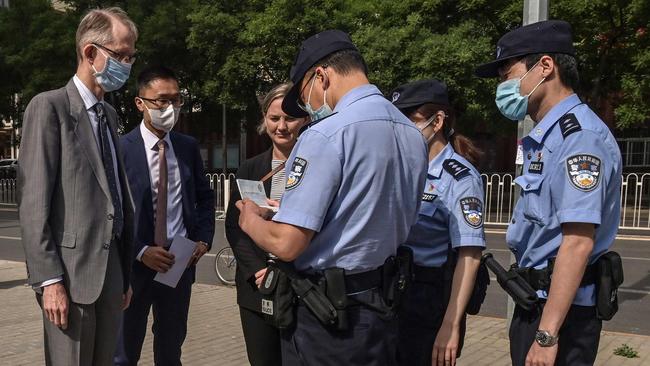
pixel 499 197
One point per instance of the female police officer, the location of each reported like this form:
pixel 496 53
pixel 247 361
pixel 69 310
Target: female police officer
pixel 431 319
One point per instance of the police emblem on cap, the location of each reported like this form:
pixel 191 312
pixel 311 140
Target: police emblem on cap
pixel 395 97
pixel 297 172
pixel 472 209
pixel 498 52
pixel 584 171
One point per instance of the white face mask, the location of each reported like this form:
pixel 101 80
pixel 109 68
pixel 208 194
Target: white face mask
pixel 164 119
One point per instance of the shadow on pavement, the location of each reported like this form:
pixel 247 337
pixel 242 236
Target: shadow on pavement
pixel 11 284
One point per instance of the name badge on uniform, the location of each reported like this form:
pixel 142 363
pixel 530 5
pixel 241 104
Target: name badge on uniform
pixel 584 171
pixel 536 167
pixel 428 197
pixel 298 169
pixel 472 209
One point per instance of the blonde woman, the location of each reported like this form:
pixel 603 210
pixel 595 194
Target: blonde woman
pixel 262 339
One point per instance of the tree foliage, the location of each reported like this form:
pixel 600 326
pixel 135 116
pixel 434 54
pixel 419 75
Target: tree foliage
pixel 232 51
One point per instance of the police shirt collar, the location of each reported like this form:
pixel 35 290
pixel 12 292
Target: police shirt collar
pixel 435 165
pixel 541 129
pixel 355 94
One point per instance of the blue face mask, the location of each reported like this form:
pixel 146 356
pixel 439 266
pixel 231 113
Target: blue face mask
pixel 511 104
pixel 321 112
pixel 114 75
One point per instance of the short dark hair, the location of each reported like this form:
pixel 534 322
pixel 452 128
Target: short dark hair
pixel 567 67
pixel 152 73
pixel 344 62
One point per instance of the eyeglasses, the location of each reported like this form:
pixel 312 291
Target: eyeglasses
pixel 127 59
pixel 163 103
pixel 299 101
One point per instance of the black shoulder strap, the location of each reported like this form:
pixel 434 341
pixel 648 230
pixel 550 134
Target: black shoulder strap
pixel 569 124
pixel 457 169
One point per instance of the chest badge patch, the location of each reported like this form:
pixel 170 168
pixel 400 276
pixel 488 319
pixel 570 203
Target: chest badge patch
pixel 472 209
pixel 429 197
pixel 298 169
pixel 584 171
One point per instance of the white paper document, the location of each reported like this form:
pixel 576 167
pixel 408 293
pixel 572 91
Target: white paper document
pixel 254 191
pixel 182 249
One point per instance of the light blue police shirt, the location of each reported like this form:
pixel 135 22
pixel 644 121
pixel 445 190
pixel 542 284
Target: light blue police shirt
pixel 451 210
pixel 355 178
pixel 572 173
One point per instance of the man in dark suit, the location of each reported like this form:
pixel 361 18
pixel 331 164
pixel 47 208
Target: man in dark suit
pixel 76 213
pixel 172 197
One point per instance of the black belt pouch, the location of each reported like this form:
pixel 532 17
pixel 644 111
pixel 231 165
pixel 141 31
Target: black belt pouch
pixel 277 298
pixel 610 277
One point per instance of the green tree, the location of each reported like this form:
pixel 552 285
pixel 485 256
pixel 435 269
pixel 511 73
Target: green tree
pixel 36 53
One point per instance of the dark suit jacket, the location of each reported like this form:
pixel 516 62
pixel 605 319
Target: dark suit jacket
pixel 250 258
pixel 65 205
pixel 197 196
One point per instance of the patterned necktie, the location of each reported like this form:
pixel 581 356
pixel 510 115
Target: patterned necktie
pixel 160 233
pixel 107 159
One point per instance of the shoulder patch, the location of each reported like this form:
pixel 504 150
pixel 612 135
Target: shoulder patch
pixel 457 169
pixel 584 171
pixel 569 124
pixel 472 209
pixel 296 174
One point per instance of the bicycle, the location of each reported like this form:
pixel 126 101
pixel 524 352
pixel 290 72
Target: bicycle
pixel 225 265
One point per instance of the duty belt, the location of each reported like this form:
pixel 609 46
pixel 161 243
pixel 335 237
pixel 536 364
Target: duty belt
pixel 357 282
pixel 428 274
pixel 540 279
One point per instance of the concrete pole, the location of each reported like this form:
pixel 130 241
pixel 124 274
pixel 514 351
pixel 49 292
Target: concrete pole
pixel 224 147
pixel 534 11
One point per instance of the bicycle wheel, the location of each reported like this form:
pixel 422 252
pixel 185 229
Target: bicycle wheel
pixel 225 265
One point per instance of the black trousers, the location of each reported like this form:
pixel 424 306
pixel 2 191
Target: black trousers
pixel 419 320
pixel 369 341
pixel 262 339
pixel 579 335
pixel 170 311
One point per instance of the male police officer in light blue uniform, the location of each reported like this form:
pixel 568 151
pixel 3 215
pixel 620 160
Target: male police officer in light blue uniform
pixel 431 320
pixel 353 185
pixel 569 206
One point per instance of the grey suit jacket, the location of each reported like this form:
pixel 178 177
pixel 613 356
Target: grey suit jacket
pixel 65 206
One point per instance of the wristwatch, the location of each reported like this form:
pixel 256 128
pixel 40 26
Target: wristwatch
pixel 545 339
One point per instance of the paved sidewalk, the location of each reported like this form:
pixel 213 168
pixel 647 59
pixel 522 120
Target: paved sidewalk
pixel 215 337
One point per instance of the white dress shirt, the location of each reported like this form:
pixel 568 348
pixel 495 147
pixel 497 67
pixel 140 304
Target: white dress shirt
pixel 90 100
pixel 175 224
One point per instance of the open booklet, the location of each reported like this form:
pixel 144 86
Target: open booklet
pixel 254 191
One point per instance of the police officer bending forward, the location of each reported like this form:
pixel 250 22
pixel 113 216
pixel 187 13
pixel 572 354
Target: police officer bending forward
pixel 569 209
pixel 354 180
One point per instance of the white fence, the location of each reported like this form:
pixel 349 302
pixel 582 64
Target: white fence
pixel 499 197
pixel 222 185
pixel 635 200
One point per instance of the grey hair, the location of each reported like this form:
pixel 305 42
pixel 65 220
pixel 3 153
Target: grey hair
pixel 279 91
pixel 97 27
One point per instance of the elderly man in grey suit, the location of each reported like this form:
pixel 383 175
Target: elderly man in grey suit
pixel 76 211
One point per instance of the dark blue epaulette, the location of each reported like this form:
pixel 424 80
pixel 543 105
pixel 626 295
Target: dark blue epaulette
pixel 569 124
pixel 457 169
pixel 311 124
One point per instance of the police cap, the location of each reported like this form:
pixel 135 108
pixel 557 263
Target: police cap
pixel 550 36
pixel 420 92
pixel 311 51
